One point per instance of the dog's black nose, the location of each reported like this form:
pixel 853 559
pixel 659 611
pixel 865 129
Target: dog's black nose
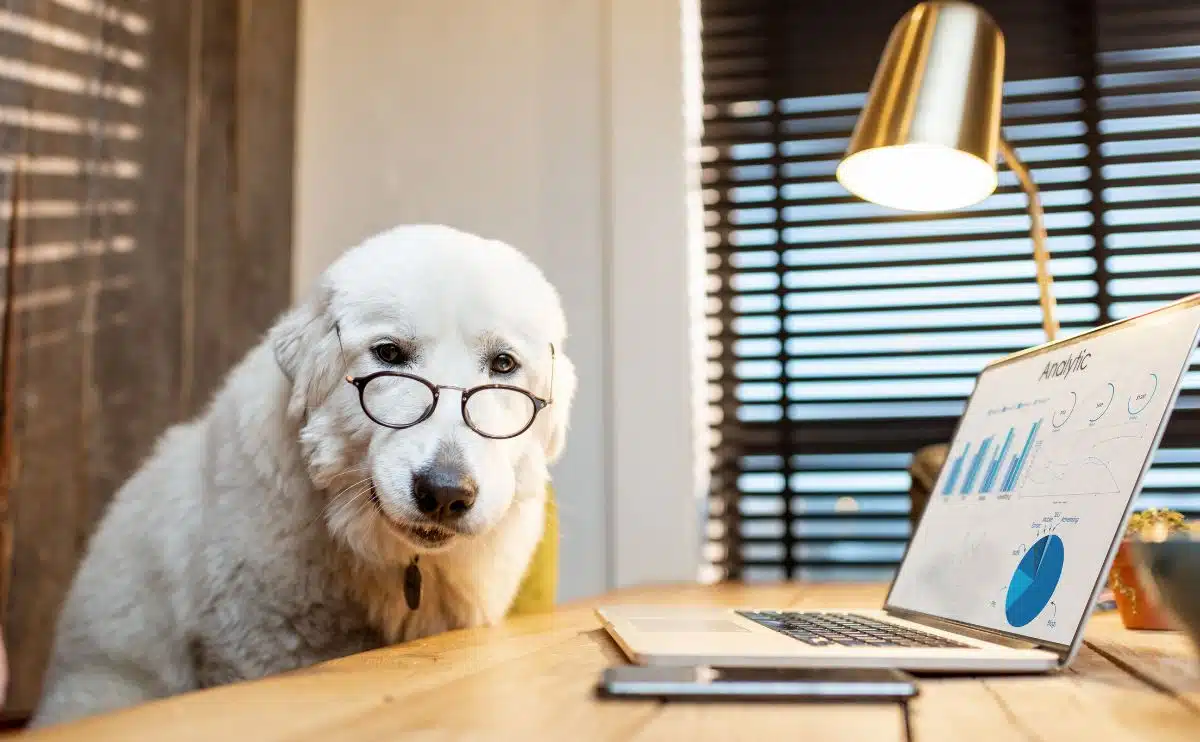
pixel 443 493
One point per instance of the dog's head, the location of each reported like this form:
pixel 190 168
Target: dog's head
pixel 416 364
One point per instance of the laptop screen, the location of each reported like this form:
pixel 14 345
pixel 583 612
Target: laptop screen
pixel 1046 459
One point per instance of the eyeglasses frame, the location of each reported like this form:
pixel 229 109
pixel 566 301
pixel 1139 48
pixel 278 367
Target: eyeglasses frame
pixel 539 403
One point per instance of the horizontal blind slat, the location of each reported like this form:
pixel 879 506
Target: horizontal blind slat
pixel 838 329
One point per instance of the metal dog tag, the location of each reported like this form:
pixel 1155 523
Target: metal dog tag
pixel 412 585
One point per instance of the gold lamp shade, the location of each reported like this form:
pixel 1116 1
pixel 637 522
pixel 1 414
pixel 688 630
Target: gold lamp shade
pixel 928 136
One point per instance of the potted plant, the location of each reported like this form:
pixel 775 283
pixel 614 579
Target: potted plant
pixel 1134 601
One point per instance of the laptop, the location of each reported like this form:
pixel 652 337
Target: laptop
pixel 1016 541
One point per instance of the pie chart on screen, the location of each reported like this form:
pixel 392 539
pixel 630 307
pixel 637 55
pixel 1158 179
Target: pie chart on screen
pixel 1034 580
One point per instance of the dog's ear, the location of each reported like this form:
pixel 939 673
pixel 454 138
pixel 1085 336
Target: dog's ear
pixel 555 434
pixel 307 347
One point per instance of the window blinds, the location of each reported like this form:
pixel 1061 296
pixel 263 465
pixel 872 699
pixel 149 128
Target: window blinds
pixel 843 336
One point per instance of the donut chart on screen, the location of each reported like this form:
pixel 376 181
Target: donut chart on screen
pixel 1034 580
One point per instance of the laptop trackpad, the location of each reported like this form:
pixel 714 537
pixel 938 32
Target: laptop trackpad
pixel 682 625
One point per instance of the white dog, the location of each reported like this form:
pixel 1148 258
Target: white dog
pixel 277 529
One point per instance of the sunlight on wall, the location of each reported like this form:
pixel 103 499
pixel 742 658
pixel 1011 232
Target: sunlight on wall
pixel 696 268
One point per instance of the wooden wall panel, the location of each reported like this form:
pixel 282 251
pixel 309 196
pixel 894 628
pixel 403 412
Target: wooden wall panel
pixel 58 206
pixel 266 142
pixel 243 176
pixel 154 249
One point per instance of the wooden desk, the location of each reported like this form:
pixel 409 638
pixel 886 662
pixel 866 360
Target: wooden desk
pixel 533 679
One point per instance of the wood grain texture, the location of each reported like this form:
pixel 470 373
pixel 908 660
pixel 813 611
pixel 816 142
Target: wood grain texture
pixel 532 678
pixel 48 478
pixel 13 141
pixel 143 178
pixel 212 238
pixel 755 722
pixel 1164 659
pixel 242 238
pixel 158 231
pixel 8 355
pixel 266 106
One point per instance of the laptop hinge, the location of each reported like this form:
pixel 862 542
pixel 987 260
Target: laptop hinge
pixel 974 632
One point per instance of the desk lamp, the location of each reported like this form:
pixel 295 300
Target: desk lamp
pixel 929 133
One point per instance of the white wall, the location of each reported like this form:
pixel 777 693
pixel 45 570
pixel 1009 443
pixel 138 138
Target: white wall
pixel 555 125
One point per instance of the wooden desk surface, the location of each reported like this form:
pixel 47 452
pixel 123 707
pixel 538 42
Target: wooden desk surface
pixel 533 679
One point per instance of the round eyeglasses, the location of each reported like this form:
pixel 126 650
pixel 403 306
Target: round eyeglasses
pixel 400 400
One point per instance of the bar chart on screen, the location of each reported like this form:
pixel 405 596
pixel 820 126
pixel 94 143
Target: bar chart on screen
pixel 994 465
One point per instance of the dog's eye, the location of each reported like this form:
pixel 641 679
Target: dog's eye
pixel 503 363
pixel 391 354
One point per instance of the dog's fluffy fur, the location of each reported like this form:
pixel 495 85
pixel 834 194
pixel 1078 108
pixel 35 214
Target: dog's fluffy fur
pixel 271 532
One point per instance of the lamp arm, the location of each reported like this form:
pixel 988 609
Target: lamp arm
pixel 1041 257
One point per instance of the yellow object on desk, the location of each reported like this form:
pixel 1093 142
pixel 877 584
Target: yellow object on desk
pixel 538 590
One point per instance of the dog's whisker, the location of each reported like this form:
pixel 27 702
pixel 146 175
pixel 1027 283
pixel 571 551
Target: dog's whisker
pixel 349 487
pixel 361 488
pixel 354 470
pixel 334 505
pixel 335 511
pixel 355 500
pixel 342 493
pixel 345 503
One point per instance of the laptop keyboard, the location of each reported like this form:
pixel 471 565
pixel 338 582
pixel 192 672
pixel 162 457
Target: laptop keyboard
pixel 847 630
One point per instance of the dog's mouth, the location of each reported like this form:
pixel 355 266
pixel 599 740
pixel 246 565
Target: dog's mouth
pixel 429 536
